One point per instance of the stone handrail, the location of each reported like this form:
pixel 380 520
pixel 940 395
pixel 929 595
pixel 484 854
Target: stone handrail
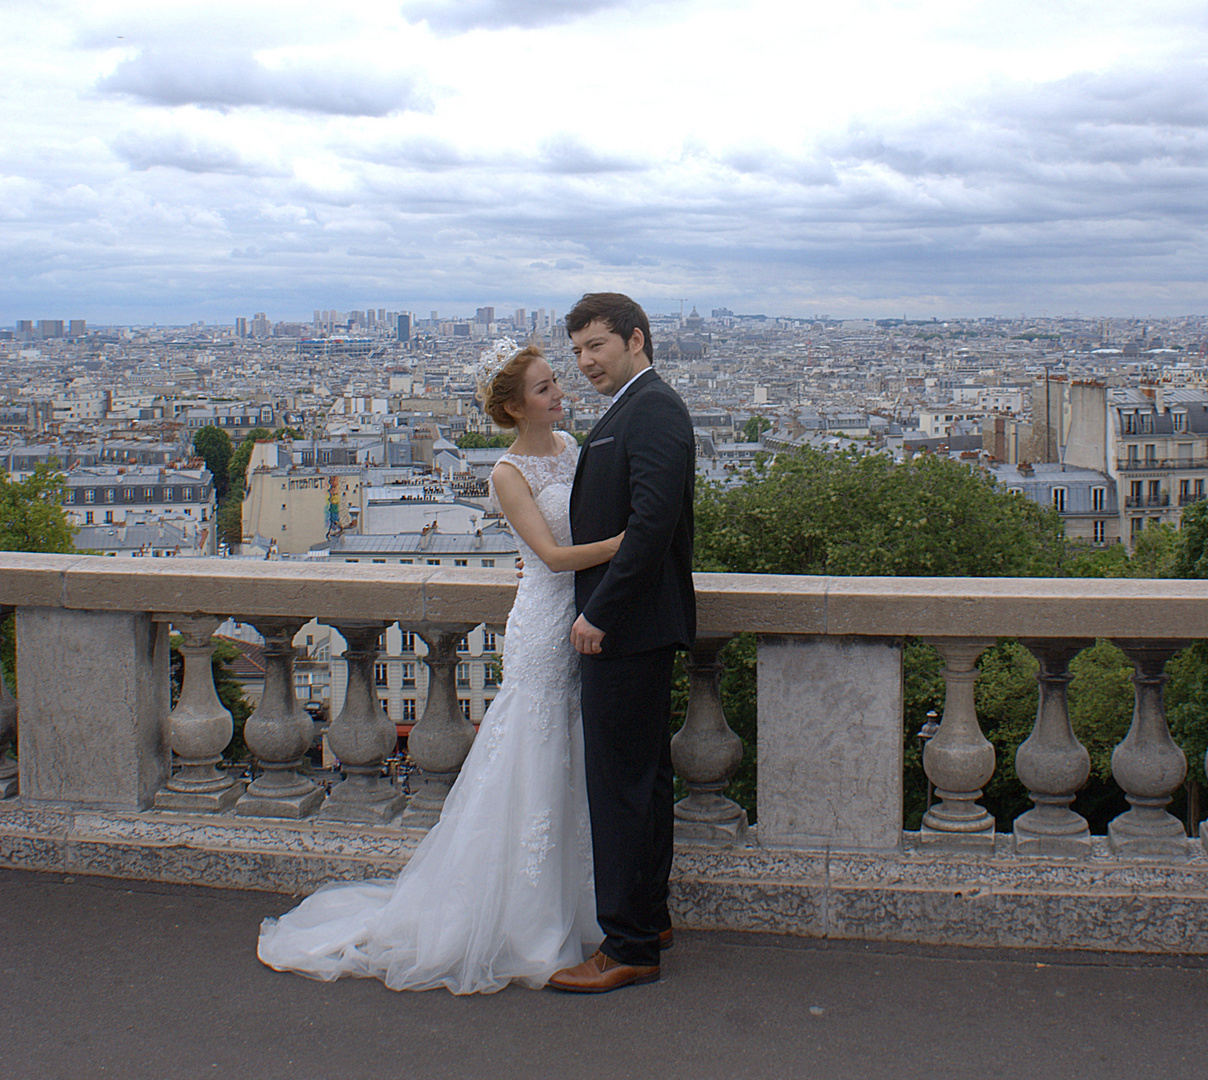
pixel 98 738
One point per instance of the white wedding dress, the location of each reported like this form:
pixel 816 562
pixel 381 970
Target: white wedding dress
pixel 501 888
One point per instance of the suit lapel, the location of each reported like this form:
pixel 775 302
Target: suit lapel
pixel 606 421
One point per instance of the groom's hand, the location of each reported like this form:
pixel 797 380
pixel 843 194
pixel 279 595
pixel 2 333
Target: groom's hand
pixel 586 638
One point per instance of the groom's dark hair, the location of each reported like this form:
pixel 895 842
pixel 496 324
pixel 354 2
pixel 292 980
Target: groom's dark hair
pixel 616 311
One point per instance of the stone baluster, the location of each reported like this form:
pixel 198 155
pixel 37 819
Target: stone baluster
pixel 279 732
pixel 362 736
pixel 1149 765
pixel 705 753
pixel 959 759
pixel 439 742
pixel 1052 764
pixel 8 729
pixel 199 727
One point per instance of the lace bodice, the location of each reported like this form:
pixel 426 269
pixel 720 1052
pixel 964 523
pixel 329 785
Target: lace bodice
pixel 550 480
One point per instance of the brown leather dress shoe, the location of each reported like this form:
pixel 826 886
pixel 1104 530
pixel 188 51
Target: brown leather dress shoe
pixel 666 938
pixel 599 973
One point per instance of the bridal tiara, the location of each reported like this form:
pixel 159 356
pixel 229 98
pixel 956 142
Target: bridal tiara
pixel 494 360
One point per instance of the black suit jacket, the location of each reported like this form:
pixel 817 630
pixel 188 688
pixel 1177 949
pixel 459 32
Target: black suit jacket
pixel 636 474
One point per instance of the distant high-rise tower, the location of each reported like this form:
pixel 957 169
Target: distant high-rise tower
pixel 50 328
pixel 521 319
pixel 318 317
pixel 485 315
pixel 241 327
pixel 404 329
pixel 78 328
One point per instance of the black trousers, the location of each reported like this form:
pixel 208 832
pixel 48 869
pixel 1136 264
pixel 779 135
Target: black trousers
pixel 627 747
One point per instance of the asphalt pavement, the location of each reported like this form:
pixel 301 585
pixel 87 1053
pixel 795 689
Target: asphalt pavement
pixel 108 978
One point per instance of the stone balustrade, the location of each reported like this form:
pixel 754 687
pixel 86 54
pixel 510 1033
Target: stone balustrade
pixel 95 790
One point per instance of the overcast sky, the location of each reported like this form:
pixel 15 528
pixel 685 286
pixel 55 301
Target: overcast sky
pixel 174 161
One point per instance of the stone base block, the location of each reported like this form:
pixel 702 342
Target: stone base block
pixel 729 833
pixel 289 806
pixel 917 894
pixel 375 813
pixel 9 787
pixel 199 802
pixel 981 840
pixel 1132 841
pixel 424 807
pixel 1072 846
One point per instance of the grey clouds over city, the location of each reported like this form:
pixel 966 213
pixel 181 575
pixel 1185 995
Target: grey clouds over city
pixel 940 158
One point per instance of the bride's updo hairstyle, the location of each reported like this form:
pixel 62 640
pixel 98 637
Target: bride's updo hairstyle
pixel 500 376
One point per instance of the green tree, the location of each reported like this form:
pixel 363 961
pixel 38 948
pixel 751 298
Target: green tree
pixel 755 427
pixel 31 519
pixel 230 511
pixel 31 512
pixel 214 445
pixel 473 440
pixel 813 514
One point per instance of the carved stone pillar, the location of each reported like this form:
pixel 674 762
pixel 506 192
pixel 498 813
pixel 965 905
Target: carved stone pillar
pixel 199 728
pixel 959 759
pixel 1052 764
pixel 439 742
pixel 362 736
pixel 705 753
pixel 1149 765
pixel 8 729
pixel 279 732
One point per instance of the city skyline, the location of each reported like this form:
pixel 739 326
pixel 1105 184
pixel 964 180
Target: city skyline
pixel 940 160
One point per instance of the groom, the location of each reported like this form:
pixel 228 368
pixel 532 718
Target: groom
pixel 636 473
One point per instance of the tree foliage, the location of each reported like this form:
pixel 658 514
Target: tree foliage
pixel 755 427
pixel 214 445
pixel 474 440
pixel 230 511
pixel 813 514
pixel 31 512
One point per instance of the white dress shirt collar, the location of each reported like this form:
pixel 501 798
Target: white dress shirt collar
pixel 617 396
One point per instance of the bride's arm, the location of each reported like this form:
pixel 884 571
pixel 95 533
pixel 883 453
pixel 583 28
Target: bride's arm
pixel 516 499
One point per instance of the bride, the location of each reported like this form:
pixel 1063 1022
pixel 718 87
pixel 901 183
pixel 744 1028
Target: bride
pixel 501 888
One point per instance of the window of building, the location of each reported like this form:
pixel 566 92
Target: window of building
pixel 381 674
pixel 488 641
pixel 1098 498
pixel 128 494
pixel 490 675
pixel 1059 499
pixel 352 560
pixel 90 496
pixel 1130 423
pixel 461 562
pixel 149 494
pixel 1135 526
pixel 1180 421
pixel 463 645
pixel 110 495
pixel 1134 454
pixel 379 560
pixel 1100 531
pixel 434 562
pixel 381 642
pixel 488 562
pixel 168 494
pixel 463 675
pixel 409 673
pixel 1134 493
pixel 1151 453
pixel 408 710
pixel 385 705
pixel 1184 492
pixel 407 562
pixel 1155 492
pixel 1147 423
pixel 408 641
pixel 70 496
pixel 1199 489
pixel 87 517
pixel 108 517
pixel 463 703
